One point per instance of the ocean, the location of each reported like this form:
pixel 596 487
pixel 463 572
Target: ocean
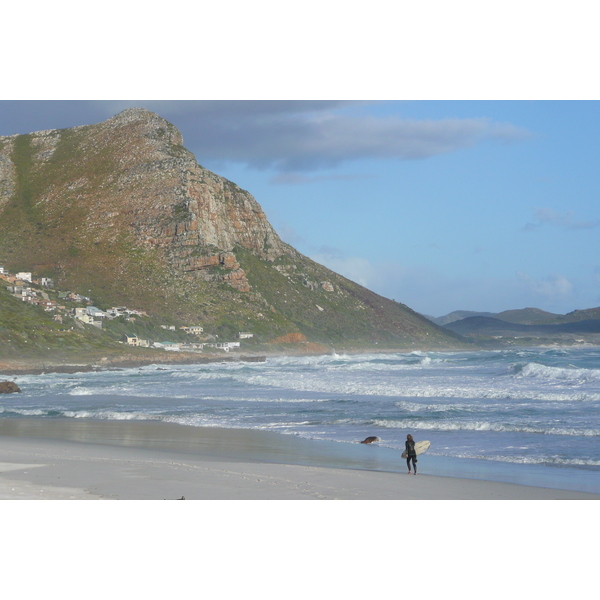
pixel 529 416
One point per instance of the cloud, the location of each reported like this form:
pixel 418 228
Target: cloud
pixel 566 220
pixel 302 136
pixel 318 139
pixel 553 286
pixel 287 136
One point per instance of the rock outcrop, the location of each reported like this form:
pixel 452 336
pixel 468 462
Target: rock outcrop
pixel 9 387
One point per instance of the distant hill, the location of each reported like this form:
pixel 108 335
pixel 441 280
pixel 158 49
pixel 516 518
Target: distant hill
pixel 486 327
pixel 457 315
pixel 526 316
pixel 579 315
pixel 523 316
pixel 121 212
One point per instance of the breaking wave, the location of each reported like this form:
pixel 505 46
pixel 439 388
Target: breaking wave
pixel 572 374
pixel 483 426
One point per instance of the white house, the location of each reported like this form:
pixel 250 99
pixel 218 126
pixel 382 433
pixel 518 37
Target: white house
pixel 245 335
pixel 194 329
pixel 96 312
pixel 24 276
pixel 171 346
pixel 227 346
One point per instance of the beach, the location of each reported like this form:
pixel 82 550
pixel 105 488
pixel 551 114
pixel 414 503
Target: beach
pixel 135 460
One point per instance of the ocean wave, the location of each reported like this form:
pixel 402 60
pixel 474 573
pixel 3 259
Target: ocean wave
pixel 24 412
pixel 535 460
pixel 537 370
pixel 483 426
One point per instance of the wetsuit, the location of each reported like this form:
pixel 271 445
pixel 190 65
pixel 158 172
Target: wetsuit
pixel 411 455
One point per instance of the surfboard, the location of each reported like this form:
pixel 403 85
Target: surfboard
pixel 420 447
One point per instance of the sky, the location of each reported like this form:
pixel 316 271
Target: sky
pixel 440 205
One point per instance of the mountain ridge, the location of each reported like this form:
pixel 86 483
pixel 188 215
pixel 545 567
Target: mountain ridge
pixel 122 212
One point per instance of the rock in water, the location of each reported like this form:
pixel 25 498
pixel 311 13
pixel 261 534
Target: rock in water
pixel 8 387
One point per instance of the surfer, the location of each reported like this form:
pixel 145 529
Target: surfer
pixel 410 453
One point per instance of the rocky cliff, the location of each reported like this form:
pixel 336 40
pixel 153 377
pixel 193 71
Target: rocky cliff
pixel 122 212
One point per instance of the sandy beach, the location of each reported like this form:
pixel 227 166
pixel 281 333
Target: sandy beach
pixel 136 460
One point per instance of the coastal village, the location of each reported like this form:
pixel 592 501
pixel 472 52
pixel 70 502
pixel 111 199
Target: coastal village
pixel 70 306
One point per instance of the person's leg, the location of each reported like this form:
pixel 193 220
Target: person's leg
pixel 408 463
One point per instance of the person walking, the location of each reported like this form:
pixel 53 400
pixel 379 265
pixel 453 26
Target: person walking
pixel 411 455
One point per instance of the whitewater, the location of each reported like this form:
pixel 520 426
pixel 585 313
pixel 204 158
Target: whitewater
pixel 523 415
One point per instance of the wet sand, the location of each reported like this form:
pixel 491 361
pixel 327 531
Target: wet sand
pixel 146 460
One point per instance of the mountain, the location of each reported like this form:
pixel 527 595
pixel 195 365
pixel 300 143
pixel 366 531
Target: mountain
pixel 569 332
pixel 457 315
pixel 526 316
pixel 121 212
pixel 579 315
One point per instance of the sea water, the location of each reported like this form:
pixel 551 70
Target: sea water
pixel 521 415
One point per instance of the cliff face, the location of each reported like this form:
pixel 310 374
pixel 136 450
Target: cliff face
pixel 123 212
pixel 132 174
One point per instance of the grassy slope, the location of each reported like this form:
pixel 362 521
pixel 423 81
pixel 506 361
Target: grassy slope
pixel 29 331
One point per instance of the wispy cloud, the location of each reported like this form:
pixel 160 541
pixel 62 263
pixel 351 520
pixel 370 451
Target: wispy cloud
pixel 565 220
pixel 298 136
pixel 553 286
pixel 320 139
pixel 290 137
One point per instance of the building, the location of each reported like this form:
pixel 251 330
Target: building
pixel 96 312
pixel 173 346
pixel 24 276
pixel 194 329
pixel 245 335
pixel 227 346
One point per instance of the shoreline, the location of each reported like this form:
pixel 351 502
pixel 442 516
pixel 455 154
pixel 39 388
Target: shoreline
pixel 13 367
pixel 16 367
pixel 151 460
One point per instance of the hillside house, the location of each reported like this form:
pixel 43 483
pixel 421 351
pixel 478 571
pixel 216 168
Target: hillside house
pixel 46 282
pixel 96 312
pixel 243 335
pixel 194 330
pixel 24 276
pixel 227 346
pixel 173 346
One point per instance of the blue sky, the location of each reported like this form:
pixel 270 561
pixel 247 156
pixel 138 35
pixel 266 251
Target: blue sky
pixel 441 205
